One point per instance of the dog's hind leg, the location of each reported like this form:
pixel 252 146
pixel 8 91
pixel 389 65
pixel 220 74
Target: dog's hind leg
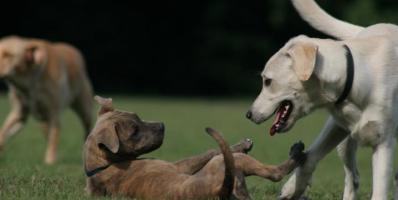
pixel 252 167
pixel 52 141
pixel 15 119
pixel 193 164
pixel 347 152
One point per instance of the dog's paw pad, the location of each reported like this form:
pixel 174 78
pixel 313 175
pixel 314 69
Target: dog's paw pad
pixel 243 146
pixel 297 152
pixel 296 148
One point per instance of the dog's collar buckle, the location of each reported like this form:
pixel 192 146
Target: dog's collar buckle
pixel 349 76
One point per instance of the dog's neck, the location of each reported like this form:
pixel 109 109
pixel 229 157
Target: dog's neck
pixel 333 79
pixel 330 69
pixel 350 72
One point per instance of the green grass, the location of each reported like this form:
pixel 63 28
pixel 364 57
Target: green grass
pixel 24 176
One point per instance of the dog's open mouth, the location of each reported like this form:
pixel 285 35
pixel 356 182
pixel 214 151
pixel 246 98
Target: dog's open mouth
pixel 282 115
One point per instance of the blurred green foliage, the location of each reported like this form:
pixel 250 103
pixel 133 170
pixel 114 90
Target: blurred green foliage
pixel 206 47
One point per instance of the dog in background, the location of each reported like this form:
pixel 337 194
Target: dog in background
pixel 43 79
pixel 112 165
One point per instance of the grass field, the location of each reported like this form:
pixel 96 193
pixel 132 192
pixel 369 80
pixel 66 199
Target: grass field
pixel 24 176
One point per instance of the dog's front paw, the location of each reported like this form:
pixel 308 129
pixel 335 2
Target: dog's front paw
pixel 293 190
pixel 297 152
pixel 244 146
pixel 288 189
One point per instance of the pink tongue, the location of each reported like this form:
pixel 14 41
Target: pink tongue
pixel 273 129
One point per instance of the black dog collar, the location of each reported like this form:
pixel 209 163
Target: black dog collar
pixel 96 170
pixel 117 158
pixel 349 78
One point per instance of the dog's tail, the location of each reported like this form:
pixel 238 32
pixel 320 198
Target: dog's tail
pixel 322 21
pixel 229 179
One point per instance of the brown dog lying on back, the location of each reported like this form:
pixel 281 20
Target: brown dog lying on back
pixel 43 79
pixel 112 165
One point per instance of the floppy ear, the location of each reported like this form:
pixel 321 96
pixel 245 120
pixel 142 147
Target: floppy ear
pixel 35 54
pixel 304 59
pixel 108 137
pixel 106 104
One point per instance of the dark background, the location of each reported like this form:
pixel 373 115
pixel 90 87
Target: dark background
pixel 196 47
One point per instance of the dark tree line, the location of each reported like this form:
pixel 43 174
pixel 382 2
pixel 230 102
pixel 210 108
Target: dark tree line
pixel 199 47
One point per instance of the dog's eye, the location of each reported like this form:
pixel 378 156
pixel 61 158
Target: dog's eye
pixel 135 131
pixel 134 134
pixel 267 82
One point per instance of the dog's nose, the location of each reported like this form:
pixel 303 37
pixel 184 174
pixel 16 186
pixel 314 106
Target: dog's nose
pixel 249 114
pixel 161 127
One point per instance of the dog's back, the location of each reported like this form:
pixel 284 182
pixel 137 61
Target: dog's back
pixel 71 58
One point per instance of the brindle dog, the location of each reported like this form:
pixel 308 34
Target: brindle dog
pixel 112 165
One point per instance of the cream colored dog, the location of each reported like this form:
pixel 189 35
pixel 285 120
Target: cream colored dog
pixel 43 79
pixel 355 78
